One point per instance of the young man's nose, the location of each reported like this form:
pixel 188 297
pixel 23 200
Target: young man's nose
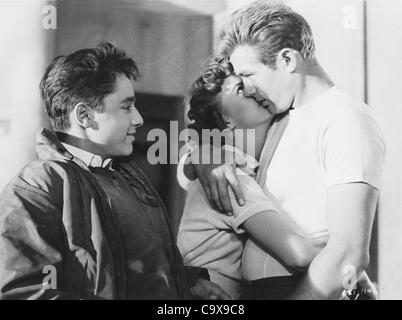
pixel 136 118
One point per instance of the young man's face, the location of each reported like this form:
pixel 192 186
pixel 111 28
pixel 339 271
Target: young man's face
pixel 261 81
pixel 113 128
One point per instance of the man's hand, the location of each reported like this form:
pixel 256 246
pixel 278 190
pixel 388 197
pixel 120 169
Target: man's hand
pixel 208 290
pixel 216 177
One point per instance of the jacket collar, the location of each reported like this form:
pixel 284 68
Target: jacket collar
pixel 49 147
pixel 90 159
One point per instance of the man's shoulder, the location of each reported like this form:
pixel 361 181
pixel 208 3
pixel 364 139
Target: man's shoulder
pixel 344 111
pixel 44 175
pixel 342 103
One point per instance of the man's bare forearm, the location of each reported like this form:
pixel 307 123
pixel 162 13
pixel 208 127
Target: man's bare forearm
pixel 330 273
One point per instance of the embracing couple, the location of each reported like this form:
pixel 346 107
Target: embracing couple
pixel 318 157
pixel 292 220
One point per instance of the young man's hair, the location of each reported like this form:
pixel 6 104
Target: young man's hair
pixel 86 76
pixel 269 26
pixel 201 100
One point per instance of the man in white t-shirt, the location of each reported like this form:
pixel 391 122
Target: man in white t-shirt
pixel 325 173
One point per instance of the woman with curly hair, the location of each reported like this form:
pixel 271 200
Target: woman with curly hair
pixel 213 240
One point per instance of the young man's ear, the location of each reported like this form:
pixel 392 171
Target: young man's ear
pixel 287 59
pixel 82 115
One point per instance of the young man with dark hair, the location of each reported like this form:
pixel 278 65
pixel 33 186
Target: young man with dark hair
pixel 325 174
pixel 81 221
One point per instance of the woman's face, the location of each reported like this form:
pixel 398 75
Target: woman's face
pixel 243 112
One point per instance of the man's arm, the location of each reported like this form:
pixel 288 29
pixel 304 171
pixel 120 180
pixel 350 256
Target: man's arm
pixel 215 176
pixel 350 213
pixel 31 244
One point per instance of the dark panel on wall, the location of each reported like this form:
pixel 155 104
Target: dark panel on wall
pixel 158 111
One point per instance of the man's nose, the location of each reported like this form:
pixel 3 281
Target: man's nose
pixel 249 88
pixel 136 118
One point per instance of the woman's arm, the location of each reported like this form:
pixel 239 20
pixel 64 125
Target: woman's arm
pixel 274 232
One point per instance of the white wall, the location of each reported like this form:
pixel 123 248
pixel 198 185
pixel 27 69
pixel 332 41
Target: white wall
pixel 168 43
pixel 337 27
pixel 385 87
pixel 26 45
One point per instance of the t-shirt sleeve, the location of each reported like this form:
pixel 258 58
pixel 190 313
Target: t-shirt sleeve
pixel 183 181
pixel 353 151
pixel 256 201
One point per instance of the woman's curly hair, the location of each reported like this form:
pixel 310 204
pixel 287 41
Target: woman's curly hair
pixel 203 107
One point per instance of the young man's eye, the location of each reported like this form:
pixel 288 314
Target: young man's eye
pixel 129 107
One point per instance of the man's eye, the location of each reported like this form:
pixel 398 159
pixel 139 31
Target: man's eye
pixel 248 77
pixel 128 107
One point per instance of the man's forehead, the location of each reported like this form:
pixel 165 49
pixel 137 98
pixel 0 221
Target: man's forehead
pixel 245 59
pixel 124 86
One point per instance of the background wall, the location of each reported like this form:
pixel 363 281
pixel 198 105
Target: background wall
pixel 25 53
pixel 167 42
pixel 357 43
pixel 384 80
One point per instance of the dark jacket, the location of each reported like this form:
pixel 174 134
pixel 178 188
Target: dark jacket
pixel 53 213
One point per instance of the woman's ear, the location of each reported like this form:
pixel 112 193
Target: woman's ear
pixel 287 59
pixel 228 122
pixel 82 115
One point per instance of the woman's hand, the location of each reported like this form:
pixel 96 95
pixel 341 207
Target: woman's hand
pixel 208 290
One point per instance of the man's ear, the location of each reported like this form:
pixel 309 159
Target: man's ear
pixel 287 59
pixel 82 115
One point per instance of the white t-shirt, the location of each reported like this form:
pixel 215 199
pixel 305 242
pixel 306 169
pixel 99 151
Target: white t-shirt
pixel 332 140
pixel 215 241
